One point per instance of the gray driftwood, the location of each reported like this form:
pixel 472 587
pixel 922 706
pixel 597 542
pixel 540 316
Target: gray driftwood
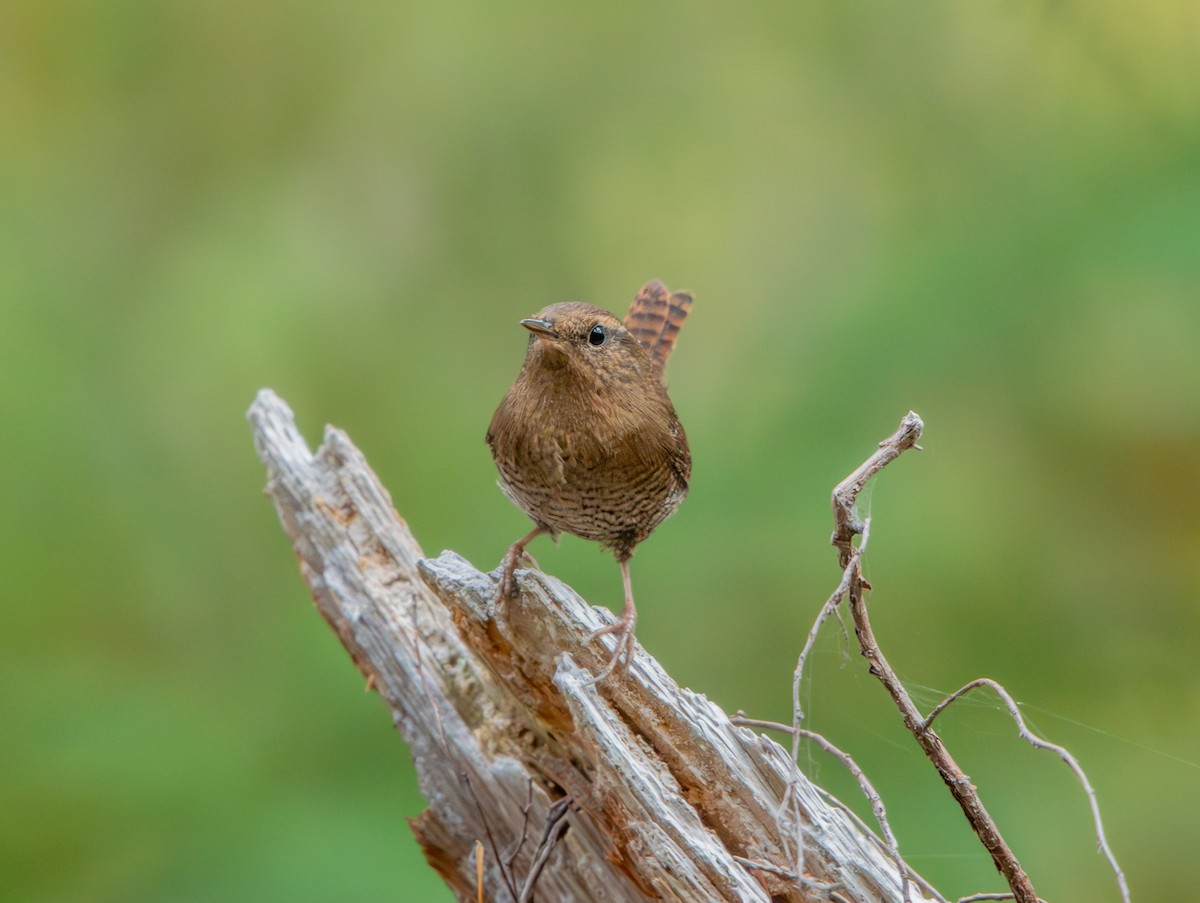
pixel 661 797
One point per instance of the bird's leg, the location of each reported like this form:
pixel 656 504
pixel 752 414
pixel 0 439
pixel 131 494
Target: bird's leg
pixel 508 582
pixel 623 628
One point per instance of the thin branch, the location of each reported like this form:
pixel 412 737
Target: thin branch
pixel 854 816
pixel 846 524
pixel 864 784
pixel 505 873
pixel 772 869
pixel 479 871
pixel 829 608
pixel 511 857
pixel 756 866
pixel 888 842
pixel 846 527
pixel 556 825
pixel 1038 743
pixel 961 788
pixel 742 720
pixel 873 797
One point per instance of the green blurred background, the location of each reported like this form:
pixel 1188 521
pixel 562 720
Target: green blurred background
pixel 987 212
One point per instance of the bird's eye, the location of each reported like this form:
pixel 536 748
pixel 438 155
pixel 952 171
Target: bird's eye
pixel 597 336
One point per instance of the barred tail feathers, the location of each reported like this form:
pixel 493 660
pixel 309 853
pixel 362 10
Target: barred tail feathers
pixel 655 318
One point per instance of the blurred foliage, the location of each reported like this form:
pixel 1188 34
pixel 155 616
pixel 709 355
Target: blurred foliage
pixel 987 212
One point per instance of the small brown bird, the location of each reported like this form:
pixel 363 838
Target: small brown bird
pixel 587 441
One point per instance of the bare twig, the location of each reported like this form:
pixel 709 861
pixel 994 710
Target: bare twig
pixel 830 607
pixel 846 527
pixel 479 870
pixel 755 866
pixel 888 842
pixel 742 720
pixel 511 856
pixel 846 524
pixel 873 797
pixel 556 825
pixel 485 821
pixel 868 789
pixel 961 788
pixel 925 886
pixel 851 576
pixel 831 890
pixel 1038 743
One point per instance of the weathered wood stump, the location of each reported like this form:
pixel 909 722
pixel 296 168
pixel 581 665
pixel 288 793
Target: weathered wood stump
pixel 634 789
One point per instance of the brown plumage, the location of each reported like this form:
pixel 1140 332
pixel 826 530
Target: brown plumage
pixel 655 318
pixel 587 441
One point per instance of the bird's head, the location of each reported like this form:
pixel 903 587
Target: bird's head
pixel 574 338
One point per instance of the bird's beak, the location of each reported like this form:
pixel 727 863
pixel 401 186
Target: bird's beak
pixel 540 327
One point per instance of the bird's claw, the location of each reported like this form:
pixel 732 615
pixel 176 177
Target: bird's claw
pixel 514 557
pixel 507 587
pixel 622 656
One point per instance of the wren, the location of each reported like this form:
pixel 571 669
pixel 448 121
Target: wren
pixel 587 441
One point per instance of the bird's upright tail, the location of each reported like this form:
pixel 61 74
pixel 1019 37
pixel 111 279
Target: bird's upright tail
pixel 655 318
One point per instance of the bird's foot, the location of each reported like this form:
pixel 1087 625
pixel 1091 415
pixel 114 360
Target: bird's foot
pixel 508 579
pixel 622 656
pixel 507 588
